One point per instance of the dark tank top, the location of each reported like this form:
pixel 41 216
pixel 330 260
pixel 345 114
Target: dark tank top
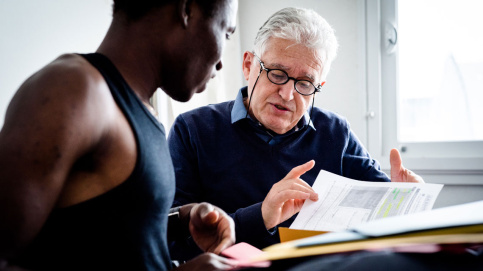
pixel 125 228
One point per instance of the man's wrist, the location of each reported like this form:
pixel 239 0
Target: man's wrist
pixel 178 225
pixel 174 212
pixel 185 213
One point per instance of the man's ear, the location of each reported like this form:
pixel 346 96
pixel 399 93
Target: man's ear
pixel 184 11
pixel 247 64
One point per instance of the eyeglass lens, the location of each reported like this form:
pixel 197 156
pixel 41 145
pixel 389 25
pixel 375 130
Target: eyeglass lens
pixel 280 77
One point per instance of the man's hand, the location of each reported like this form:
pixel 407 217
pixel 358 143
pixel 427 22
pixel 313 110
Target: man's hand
pixel 287 196
pixel 207 262
pixel 399 173
pixel 211 228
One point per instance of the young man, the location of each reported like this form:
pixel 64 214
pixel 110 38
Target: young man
pixel 236 154
pixel 86 179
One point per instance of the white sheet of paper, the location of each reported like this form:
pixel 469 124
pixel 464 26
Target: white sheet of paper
pixel 345 203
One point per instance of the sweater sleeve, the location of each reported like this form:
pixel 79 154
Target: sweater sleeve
pixel 249 227
pixel 187 180
pixel 184 162
pixel 358 164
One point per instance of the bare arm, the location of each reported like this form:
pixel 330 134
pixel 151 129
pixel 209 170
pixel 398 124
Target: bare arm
pixel 50 123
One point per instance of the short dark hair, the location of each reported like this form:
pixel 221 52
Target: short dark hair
pixel 135 9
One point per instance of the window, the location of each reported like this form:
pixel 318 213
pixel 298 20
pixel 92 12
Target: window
pixel 440 86
pixel 425 83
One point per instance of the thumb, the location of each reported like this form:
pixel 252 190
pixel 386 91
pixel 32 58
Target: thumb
pixel 298 171
pixel 203 214
pixel 396 162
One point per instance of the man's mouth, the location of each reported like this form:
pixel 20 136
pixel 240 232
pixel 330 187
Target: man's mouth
pixel 280 107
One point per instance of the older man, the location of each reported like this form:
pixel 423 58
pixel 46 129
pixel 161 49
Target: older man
pixel 86 179
pixel 237 154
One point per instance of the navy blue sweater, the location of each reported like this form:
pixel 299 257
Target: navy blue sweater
pixel 219 157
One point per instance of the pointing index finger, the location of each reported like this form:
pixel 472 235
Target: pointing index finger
pixel 298 171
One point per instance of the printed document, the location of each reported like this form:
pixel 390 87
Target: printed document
pixel 345 203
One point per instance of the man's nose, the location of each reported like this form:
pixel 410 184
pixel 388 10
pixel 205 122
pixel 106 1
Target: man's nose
pixel 218 67
pixel 286 91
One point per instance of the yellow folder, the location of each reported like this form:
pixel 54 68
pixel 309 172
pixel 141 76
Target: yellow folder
pixel 287 234
pixel 460 224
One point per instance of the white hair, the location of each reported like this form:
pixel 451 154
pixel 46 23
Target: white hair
pixel 304 26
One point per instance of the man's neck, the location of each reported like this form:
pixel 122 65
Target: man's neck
pixel 135 61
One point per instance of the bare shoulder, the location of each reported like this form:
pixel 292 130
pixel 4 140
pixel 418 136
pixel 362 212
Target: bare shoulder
pixel 64 90
pixel 67 97
pixel 72 67
pixel 68 76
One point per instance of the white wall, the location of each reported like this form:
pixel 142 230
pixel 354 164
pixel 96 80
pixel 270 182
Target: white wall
pixel 33 33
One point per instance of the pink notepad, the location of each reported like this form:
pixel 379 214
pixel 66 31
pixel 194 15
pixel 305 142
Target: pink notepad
pixel 243 253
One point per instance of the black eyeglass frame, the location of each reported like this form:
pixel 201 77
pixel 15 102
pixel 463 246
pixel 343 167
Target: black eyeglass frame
pixel 295 81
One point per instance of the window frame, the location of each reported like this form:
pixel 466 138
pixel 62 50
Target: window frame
pixel 435 158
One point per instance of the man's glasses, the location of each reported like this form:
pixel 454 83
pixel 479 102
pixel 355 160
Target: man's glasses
pixel 280 77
